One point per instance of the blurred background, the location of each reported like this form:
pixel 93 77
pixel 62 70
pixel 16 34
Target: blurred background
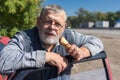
pixel 99 18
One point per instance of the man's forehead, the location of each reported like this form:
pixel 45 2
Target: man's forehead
pixel 52 11
pixel 55 17
pixel 51 14
pixel 47 12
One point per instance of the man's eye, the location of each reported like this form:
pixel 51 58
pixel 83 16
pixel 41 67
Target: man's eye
pixel 57 24
pixel 47 22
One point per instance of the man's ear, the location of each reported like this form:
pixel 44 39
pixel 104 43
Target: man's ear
pixel 38 20
pixel 65 25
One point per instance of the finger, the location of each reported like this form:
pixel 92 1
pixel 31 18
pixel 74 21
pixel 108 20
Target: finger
pixel 81 56
pixel 71 48
pixel 59 66
pixel 75 51
pixel 65 64
pixel 76 56
pixel 65 60
pixel 62 65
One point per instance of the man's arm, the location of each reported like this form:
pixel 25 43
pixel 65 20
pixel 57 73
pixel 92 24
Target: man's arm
pixel 13 57
pixel 83 45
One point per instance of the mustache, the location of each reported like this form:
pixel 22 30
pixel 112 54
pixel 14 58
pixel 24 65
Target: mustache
pixel 51 32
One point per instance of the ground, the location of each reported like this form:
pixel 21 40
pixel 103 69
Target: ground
pixel 111 41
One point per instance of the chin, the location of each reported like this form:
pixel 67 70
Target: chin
pixel 50 41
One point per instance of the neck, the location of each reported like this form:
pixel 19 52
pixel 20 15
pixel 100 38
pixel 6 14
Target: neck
pixel 49 47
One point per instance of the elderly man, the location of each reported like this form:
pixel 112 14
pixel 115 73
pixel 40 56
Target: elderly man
pixel 39 47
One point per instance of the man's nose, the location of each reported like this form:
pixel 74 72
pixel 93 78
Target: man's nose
pixel 52 25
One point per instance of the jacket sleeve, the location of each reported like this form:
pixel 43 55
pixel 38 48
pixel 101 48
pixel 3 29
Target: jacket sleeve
pixel 93 43
pixel 13 57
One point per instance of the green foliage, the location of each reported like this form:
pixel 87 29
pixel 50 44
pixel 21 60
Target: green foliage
pixel 87 16
pixel 3 32
pixel 111 16
pixel 13 31
pixel 73 21
pixel 118 14
pixel 21 14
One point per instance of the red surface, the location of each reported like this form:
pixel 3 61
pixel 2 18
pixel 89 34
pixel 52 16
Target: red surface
pixel 4 39
pixel 109 69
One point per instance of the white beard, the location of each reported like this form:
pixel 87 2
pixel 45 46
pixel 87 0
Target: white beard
pixel 49 39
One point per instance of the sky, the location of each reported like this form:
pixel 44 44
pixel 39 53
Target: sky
pixel 72 6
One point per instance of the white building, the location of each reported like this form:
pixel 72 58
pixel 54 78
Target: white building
pixel 87 25
pixel 102 24
pixel 117 24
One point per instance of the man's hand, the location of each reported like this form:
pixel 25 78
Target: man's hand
pixel 57 60
pixel 73 50
pixel 78 53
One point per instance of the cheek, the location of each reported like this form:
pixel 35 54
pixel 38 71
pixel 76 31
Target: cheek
pixel 60 31
pixel 40 29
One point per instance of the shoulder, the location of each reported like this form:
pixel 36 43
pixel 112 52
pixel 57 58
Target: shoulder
pixel 71 33
pixel 27 33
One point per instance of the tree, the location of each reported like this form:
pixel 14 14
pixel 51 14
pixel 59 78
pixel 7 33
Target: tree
pixel 21 14
pixel 82 13
pixel 118 14
pixel 84 16
pixel 111 17
pixel 99 16
pixel 73 21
